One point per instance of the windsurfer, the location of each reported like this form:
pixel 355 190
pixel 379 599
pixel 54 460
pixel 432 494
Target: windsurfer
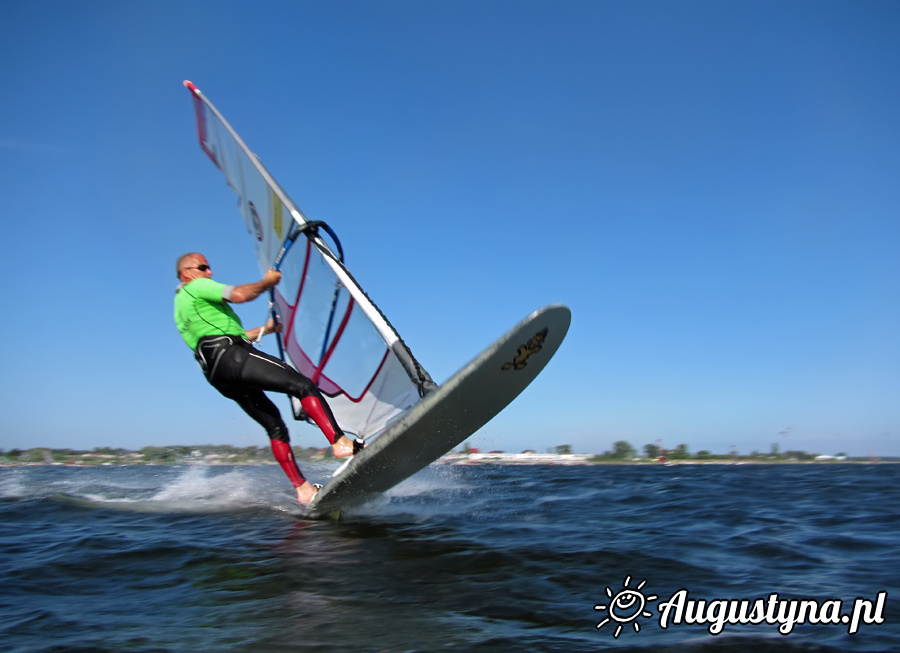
pixel 240 372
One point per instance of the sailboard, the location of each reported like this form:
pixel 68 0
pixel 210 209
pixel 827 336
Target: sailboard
pixel 334 334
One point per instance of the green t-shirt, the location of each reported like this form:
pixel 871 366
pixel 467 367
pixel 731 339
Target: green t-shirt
pixel 201 310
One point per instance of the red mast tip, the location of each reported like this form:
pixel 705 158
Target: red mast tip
pixel 190 85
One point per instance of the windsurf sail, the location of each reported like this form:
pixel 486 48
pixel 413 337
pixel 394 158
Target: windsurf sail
pixel 331 331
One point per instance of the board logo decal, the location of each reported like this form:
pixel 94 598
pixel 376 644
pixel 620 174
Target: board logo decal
pixel 533 346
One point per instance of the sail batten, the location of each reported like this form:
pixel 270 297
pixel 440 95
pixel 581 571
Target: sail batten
pixel 333 333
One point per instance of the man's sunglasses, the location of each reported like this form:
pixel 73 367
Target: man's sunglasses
pixel 202 268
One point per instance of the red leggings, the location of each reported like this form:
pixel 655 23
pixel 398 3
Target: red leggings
pixel 241 373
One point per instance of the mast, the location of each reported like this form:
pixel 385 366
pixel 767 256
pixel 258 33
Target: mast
pixel 417 374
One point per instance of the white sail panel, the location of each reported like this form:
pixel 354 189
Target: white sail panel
pixel 331 331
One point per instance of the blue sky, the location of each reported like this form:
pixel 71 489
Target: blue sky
pixel 711 187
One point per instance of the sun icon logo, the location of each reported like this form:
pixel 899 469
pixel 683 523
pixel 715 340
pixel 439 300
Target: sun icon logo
pixel 626 606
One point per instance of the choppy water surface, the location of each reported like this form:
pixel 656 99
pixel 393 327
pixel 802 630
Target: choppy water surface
pixel 464 558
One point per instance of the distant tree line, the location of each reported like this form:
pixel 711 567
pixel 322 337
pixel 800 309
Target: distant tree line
pixel 623 450
pixel 166 455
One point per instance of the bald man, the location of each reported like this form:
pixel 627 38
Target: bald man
pixel 231 364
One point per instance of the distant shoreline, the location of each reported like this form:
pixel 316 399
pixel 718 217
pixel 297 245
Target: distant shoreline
pixel 498 458
pixel 671 463
pixel 209 454
pixel 456 461
pixel 213 454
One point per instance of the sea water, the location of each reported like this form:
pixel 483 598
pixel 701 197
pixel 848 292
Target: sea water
pixel 457 558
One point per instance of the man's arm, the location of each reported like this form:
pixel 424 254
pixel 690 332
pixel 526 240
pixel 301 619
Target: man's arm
pixel 250 291
pixel 269 327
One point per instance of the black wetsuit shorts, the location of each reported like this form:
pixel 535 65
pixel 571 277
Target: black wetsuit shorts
pixel 241 372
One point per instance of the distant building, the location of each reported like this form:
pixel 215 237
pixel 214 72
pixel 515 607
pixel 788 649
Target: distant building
pixel 526 458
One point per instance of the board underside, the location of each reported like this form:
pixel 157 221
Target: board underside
pixel 450 414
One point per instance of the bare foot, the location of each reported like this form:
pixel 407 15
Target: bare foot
pixel 306 493
pixel 343 447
